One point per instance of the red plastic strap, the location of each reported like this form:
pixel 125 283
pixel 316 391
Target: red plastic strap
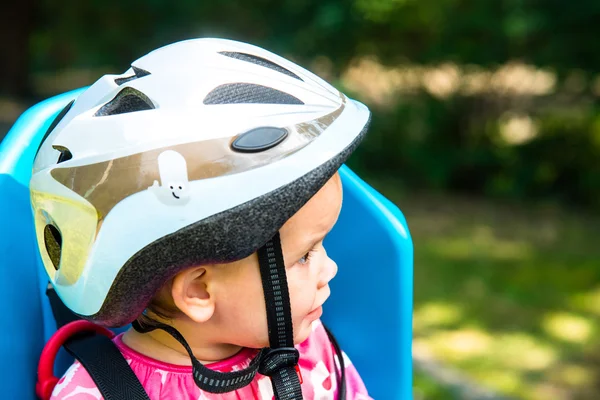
pixel 46 379
pixel 299 374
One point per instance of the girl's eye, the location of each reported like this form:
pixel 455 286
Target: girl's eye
pixel 305 259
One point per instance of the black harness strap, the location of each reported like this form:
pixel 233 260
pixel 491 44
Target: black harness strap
pixel 62 315
pixel 108 368
pixel 100 357
pixel 342 373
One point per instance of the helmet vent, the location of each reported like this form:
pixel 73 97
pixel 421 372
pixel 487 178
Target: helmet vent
pixel 53 242
pixel 138 73
pixel 65 154
pixel 239 93
pixel 259 61
pixel 126 101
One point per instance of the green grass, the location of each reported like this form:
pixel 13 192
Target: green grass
pixel 425 388
pixel 507 294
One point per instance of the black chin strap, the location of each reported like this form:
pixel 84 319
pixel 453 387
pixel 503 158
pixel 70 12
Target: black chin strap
pixel 205 378
pixel 281 358
pixel 279 361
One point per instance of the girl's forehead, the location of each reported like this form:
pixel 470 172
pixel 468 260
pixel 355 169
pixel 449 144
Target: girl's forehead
pixel 317 217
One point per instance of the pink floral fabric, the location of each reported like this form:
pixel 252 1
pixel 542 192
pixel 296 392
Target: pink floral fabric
pixel 318 363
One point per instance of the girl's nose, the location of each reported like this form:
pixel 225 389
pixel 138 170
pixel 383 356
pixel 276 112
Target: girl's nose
pixel 329 270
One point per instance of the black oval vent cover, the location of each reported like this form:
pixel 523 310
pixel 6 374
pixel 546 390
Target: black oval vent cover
pixel 259 139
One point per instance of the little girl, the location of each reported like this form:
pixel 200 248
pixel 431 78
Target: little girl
pixel 191 196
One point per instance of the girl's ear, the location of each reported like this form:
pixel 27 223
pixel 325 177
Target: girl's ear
pixel 191 294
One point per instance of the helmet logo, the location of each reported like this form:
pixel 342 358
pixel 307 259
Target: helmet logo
pixel 174 185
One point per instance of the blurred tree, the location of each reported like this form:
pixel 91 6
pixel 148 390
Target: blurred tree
pixel 111 32
pixel 16 24
pixel 453 142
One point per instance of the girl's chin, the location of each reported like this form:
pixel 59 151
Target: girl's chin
pixel 300 335
pixel 314 314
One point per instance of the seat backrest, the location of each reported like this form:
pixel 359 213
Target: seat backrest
pixel 370 309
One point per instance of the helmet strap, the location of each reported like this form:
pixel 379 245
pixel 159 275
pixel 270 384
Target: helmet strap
pixel 281 358
pixel 205 378
pixel 279 361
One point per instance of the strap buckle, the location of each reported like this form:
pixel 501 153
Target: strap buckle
pixel 275 359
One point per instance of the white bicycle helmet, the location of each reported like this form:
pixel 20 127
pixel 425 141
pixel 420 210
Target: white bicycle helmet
pixel 197 154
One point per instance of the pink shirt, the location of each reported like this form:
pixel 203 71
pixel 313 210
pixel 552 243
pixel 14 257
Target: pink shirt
pixel 167 381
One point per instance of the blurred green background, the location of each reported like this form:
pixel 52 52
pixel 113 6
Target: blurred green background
pixel 485 131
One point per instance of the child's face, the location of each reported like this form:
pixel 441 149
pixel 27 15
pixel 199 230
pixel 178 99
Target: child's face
pixel 240 307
